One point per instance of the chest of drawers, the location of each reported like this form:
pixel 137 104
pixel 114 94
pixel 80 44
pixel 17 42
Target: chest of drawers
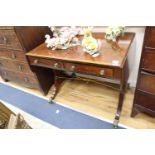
pixel 144 100
pixel 15 42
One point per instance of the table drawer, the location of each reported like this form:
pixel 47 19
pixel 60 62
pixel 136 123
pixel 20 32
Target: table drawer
pixel 15 65
pixel 13 55
pixel 45 62
pixel 27 80
pixel 145 100
pixel 8 39
pixel 147 82
pixel 86 69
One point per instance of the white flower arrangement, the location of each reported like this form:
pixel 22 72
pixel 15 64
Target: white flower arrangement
pixel 113 32
pixel 63 37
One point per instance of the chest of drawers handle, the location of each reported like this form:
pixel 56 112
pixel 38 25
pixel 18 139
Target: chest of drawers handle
pixel 5 73
pixel 13 56
pixel 143 60
pixel 36 61
pixel 4 40
pixel 102 72
pixel 26 79
pixel 19 67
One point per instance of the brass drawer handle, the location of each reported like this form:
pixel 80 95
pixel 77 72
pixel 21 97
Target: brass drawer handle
pixel 143 60
pixel 13 56
pixel 19 67
pixel 72 68
pixel 36 61
pixel 4 40
pixel 5 73
pixel 26 79
pixel 102 72
pixel 56 65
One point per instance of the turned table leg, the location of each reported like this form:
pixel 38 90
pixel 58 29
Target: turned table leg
pixel 123 88
pixel 119 109
pixel 59 78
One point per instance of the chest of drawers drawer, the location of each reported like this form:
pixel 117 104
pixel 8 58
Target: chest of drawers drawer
pixel 87 69
pixel 150 41
pixel 45 62
pixel 13 55
pixel 147 82
pixel 15 65
pixel 9 40
pixel 146 101
pixel 27 80
pixel 148 62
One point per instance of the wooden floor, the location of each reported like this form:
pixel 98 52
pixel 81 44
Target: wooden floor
pixel 98 100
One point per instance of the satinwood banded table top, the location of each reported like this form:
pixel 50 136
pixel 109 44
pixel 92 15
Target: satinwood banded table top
pixel 108 55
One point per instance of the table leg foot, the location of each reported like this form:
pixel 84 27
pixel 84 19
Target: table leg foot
pixel 134 112
pixel 50 100
pixel 5 80
pixel 116 120
pixel 119 109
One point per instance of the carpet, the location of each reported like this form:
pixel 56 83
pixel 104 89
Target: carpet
pixel 53 113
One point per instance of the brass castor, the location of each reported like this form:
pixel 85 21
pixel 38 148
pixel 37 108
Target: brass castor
pixel 115 124
pixel 5 80
pixel 50 100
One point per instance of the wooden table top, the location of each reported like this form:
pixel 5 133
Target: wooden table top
pixel 108 56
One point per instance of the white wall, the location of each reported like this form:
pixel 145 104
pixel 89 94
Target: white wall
pixel 135 50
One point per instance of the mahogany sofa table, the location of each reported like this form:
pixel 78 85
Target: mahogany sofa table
pixel 111 65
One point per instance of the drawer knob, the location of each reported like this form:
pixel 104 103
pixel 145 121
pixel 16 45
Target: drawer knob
pixel 13 56
pixel 72 68
pixel 56 65
pixel 36 61
pixel 26 79
pixel 5 73
pixel 20 67
pixel 5 40
pixel 102 72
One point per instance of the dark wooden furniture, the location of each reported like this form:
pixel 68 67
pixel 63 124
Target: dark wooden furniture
pixel 10 120
pixel 5 114
pixel 14 43
pixel 111 65
pixel 17 122
pixel 144 100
